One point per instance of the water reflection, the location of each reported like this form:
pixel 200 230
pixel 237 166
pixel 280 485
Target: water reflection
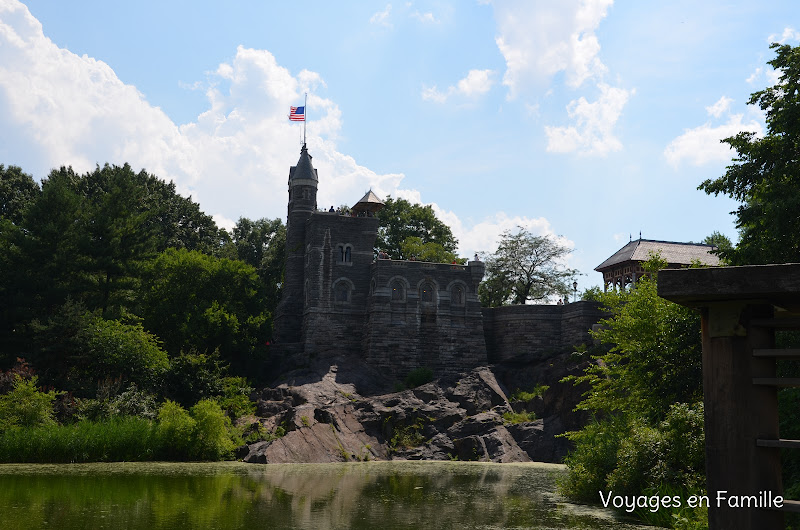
pixel 314 496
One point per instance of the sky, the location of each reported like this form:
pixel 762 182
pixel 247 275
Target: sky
pixel 591 121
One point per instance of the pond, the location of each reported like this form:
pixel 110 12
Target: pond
pixel 366 495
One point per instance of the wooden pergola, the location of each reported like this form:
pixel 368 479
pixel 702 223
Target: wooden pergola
pixel 626 265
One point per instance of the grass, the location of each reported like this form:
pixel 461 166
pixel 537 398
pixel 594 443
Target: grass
pixel 513 418
pixel 119 439
pixel 537 392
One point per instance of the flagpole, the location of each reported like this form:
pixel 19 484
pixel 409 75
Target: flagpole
pixel 305 118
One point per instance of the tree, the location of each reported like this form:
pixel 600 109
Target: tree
pixel 400 220
pixel 262 245
pixel 644 395
pixel 524 268
pixel 721 241
pixel 765 175
pixel 17 191
pixel 194 301
pixel 432 252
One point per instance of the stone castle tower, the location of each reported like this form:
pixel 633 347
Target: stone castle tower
pixel 337 298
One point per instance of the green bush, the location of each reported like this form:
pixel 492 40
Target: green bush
pixel 211 437
pixel 518 417
pixel 630 457
pixel 418 377
pixel 175 430
pixel 235 398
pixel 593 458
pixel 537 392
pixel 25 405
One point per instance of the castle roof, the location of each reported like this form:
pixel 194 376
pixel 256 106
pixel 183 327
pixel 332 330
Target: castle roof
pixel 672 252
pixel 368 203
pixel 303 169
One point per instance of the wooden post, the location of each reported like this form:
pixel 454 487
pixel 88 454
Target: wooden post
pixel 739 307
pixel 737 413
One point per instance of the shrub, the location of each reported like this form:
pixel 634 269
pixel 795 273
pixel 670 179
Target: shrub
pixel 418 377
pixel 25 405
pixel 518 417
pixel 211 436
pixel 175 430
pixel 537 392
pixel 235 398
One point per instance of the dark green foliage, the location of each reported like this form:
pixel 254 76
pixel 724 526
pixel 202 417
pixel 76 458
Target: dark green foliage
pixel 17 191
pixel 261 244
pixel 400 220
pixel 524 268
pixel 655 359
pixel 645 397
pixel 418 376
pixel 195 301
pixel 77 350
pixel 194 376
pixel 235 398
pixel 765 175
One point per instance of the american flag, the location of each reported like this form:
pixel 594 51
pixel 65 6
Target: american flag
pixel 297 114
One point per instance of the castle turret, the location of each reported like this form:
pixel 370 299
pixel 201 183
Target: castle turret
pixel 302 203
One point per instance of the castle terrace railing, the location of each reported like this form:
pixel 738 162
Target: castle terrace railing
pixel 406 263
pixel 741 309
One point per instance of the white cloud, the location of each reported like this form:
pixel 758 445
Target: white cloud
pixel 702 145
pixel 542 38
pixel 720 107
pixel 57 108
pixel 426 18
pixel 755 75
pixel 62 109
pixel 789 34
pixel 592 133
pixel 476 83
pixel 381 18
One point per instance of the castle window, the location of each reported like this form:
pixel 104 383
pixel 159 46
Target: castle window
pixel 398 292
pixel 426 293
pixel 344 254
pixel 457 295
pixel 342 292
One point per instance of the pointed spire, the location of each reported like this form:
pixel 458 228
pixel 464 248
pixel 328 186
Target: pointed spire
pixel 368 203
pixel 303 169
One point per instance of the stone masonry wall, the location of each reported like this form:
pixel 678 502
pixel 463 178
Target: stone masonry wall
pixel 337 289
pixel 537 331
pixel 424 315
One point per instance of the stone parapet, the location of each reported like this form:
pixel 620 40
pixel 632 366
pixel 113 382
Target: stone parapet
pixel 537 331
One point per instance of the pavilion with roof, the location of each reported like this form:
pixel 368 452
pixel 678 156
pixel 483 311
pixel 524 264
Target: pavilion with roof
pixel 626 265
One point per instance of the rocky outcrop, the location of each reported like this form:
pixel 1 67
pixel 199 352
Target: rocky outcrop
pixel 326 419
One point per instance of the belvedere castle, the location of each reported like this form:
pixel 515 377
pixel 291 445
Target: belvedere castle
pixel 398 315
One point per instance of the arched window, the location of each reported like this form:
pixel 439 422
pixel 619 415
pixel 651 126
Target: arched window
pixel 344 253
pixel 426 293
pixel 457 295
pixel 398 292
pixel 342 292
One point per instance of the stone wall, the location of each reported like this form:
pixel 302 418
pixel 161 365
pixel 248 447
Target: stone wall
pixel 337 271
pixel 537 331
pixel 424 315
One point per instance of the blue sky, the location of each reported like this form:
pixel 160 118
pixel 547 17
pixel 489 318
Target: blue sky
pixel 587 120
